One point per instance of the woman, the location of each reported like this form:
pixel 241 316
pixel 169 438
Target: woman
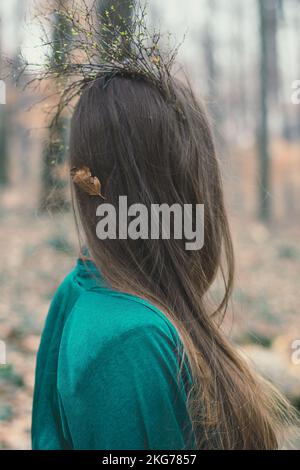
pixel 132 355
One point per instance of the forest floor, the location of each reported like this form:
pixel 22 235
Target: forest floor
pixel 38 251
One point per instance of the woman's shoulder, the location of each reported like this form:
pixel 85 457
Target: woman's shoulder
pixel 103 317
pixel 108 334
pixel 101 314
pixel 104 324
pixel 119 374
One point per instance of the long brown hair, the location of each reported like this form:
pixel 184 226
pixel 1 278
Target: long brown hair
pixel 141 146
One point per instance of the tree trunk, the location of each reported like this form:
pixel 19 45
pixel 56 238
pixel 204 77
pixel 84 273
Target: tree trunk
pixel 3 144
pixel 53 185
pixel 268 85
pixel 3 126
pixel 209 48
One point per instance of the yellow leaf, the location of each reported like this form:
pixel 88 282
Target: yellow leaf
pixel 84 179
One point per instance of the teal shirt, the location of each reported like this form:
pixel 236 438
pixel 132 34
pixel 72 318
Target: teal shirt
pixel 108 372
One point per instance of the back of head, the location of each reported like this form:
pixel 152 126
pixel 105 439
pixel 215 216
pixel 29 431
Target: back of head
pixel 158 151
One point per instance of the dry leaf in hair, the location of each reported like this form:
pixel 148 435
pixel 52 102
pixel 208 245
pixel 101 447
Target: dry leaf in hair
pixel 88 183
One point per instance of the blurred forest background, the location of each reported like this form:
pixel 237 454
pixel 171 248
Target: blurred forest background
pixel 243 59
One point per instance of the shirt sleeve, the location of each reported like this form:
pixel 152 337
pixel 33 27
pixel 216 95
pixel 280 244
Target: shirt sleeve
pixel 125 393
